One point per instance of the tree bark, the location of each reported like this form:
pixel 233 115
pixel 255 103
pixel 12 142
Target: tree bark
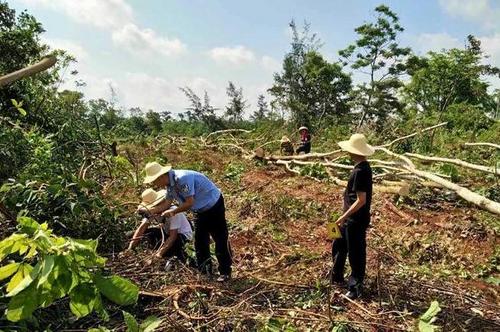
pixel 458 162
pixel 40 66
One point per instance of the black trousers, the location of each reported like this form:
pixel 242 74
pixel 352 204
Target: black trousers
pixel 154 237
pixel 352 244
pixel 213 223
pixel 306 148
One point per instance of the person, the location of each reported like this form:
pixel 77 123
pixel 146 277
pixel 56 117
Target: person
pixel 195 192
pixel 355 219
pixel 169 239
pixel 305 141
pixel 286 146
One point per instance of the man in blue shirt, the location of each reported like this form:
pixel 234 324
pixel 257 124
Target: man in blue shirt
pixel 195 192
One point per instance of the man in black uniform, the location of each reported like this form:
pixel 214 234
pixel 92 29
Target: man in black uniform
pixel 356 217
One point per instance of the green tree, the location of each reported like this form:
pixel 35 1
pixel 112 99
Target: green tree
pixel 442 79
pixel 153 121
pixel 237 104
pixel 263 111
pixel 377 53
pixel 309 87
pixel 201 111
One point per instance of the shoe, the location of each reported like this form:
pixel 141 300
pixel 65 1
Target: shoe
pixel 337 280
pixel 223 278
pixel 353 294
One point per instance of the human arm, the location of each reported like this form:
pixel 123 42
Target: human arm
pixel 138 234
pixel 187 205
pixel 358 204
pixel 172 237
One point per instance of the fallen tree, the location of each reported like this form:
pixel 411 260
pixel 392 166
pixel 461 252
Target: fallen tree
pixel 40 66
pixel 458 162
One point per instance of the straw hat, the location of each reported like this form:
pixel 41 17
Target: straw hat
pixel 303 128
pixel 285 139
pixel 357 145
pixel 151 198
pixel 154 170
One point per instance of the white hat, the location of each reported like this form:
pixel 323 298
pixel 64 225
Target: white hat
pixel 285 139
pixel 154 170
pixel 357 145
pixel 151 198
pixel 303 128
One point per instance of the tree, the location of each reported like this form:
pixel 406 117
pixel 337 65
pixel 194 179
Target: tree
pixel 377 53
pixel 309 87
pixel 237 104
pixel 262 111
pixel 201 111
pixel 153 121
pixel 453 76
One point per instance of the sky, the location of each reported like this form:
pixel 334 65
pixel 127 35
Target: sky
pixel 145 50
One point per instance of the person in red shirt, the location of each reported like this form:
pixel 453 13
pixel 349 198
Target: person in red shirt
pixel 305 141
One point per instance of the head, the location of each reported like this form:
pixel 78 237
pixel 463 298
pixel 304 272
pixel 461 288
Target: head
pixel 356 157
pixel 157 175
pixel 303 130
pixel 357 147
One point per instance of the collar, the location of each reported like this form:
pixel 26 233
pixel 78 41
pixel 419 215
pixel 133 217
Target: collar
pixel 171 178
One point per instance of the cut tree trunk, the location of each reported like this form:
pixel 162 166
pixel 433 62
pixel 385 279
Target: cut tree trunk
pixel 458 162
pixel 40 66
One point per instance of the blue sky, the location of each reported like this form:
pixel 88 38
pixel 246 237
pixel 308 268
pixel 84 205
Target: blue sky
pixel 145 50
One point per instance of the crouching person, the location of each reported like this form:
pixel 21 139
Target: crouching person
pixel 170 237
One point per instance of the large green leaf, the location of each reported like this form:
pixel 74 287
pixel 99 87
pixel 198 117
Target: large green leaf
pixel 22 305
pixel 117 289
pixel 82 299
pixel 22 272
pixel 132 325
pixel 150 324
pixel 47 266
pixel 28 225
pixel 27 281
pixel 8 270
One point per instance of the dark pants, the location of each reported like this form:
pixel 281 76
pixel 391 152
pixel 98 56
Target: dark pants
pixel 352 244
pixel 154 237
pixel 306 148
pixel 213 223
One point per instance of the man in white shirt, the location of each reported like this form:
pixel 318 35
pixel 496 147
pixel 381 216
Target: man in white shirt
pixel 170 238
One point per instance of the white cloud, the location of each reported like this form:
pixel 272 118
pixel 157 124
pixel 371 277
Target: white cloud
pixel 117 17
pixel 146 41
pixel 72 47
pixel 270 63
pixel 435 42
pixel 480 11
pixel 99 13
pixel 235 55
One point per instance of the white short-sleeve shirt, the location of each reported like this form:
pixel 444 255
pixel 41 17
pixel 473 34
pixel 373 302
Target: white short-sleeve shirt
pixel 181 224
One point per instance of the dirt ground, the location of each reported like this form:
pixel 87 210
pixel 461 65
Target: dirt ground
pixel 416 254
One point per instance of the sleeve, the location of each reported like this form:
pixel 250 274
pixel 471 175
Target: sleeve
pixel 175 222
pixel 361 181
pixel 186 186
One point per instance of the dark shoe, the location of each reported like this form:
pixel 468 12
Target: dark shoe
pixel 223 278
pixel 353 293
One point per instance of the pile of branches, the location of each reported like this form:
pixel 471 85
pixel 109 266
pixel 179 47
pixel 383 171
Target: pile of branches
pixel 398 172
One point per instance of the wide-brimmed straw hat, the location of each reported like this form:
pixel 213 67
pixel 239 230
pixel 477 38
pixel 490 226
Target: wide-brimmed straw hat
pixel 154 170
pixel 357 145
pixel 151 198
pixel 303 128
pixel 285 139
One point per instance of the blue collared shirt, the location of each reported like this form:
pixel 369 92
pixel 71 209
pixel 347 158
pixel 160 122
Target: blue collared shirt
pixel 184 183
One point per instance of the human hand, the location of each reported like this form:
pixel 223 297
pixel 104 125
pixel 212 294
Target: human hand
pixel 156 257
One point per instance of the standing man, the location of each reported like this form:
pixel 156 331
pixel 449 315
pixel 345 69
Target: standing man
pixel 356 217
pixel 195 192
pixel 305 141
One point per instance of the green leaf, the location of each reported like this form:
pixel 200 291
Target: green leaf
pixel 132 325
pixel 117 289
pixel 8 270
pixel 82 299
pixel 22 305
pixel 28 225
pixel 47 266
pixel 22 111
pixel 426 320
pixel 99 329
pixel 150 324
pixel 14 102
pixel 23 271
pixel 27 281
